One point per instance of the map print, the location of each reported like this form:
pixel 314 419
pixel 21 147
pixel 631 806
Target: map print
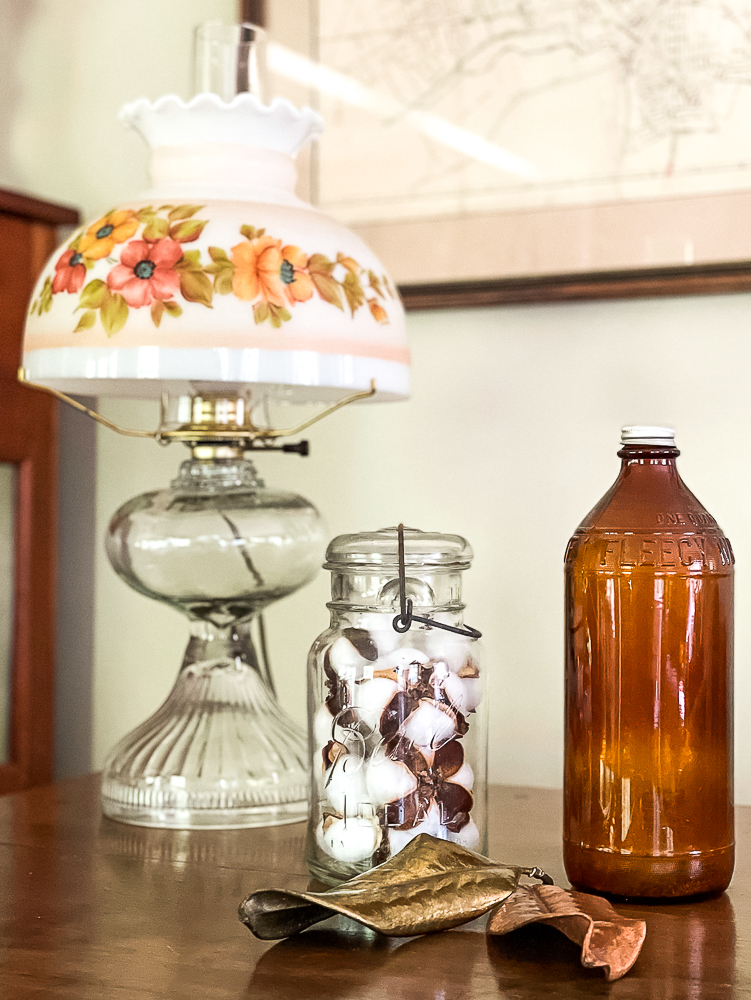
pixel 450 106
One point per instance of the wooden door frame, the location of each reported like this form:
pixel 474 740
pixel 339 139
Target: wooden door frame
pixel 28 440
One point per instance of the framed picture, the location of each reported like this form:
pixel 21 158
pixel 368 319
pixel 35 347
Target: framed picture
pixel 494 152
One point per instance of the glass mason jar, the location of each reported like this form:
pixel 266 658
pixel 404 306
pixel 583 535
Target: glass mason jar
pixel 397 730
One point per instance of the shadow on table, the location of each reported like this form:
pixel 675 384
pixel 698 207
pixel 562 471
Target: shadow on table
pixel 348 960
pixel 689 952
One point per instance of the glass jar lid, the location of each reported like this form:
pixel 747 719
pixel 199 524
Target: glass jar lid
pixel 376 549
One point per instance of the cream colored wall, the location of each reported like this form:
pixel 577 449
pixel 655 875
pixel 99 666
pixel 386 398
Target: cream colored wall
pixel 509 438
pixel 65 71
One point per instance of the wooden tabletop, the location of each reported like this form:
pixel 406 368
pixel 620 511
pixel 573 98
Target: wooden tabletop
pixel 93 909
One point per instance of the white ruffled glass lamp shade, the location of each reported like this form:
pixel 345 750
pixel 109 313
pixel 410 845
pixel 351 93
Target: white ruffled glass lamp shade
pixel 218 290
pixel 219 276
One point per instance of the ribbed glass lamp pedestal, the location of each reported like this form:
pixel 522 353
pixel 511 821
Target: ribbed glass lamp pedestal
pixel 220 752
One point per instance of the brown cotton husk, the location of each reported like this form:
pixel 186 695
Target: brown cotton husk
pixel 448 759
pixel 402 814
pixel 469 669
pixel 455 803
pixel 332 752
pixel 363 642
pixel 430 885
pixel 608 940
pixel 394 714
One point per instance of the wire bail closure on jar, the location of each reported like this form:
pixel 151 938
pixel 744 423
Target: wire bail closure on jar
pixel 403 621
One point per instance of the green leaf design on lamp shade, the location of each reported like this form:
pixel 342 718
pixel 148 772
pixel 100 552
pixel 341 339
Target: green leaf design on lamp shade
pixel 187 231
pixel 92 295
pixel 196 287
pixel 353 291
pixel 113 313
pixel 274 296
pixel 155 229
pixel 87 320
pixel 182 211
pixel 157 309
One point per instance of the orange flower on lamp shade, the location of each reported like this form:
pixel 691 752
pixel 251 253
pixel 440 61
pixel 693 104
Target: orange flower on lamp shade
pixel 101 237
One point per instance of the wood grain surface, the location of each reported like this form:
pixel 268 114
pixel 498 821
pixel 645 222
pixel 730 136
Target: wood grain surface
pixel 93 909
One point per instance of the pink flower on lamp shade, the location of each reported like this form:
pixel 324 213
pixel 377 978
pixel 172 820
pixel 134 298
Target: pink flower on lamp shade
pixel 70 272
pixel 146 272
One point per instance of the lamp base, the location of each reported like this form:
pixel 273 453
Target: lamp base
pixel 219 753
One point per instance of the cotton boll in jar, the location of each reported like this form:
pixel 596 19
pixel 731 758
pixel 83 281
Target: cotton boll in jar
pixel 344 785
pixel 345 660
pixel 406 663
pixel 323 722
pixel 450 647
pixel 372 696
pixel 465 777
pixel 431 724
pixel 463 693
pixel 468 836
pixel 431 824
pixel 388 780
pixel 382 631
pixel 349 840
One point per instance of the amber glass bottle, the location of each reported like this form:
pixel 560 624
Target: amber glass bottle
pixel 648 783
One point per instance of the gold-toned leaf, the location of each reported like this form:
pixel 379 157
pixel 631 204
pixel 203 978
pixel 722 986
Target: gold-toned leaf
pixel 608 940
pixel 428 886
pixel 187 231
pixel 196 287
pixel 155 229
pixel 180 212
pixel 248 232
pixel 92 295
pixel 173 308
pixel 86 321
pixel 113 312
pixel 145 213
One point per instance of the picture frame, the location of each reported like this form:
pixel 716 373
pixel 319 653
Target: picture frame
pixel 678 244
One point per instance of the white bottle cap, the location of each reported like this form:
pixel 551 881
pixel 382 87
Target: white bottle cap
pixel 638 434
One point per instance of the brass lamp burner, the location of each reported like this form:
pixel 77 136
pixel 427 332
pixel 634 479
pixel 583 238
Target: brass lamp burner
pixel 220 425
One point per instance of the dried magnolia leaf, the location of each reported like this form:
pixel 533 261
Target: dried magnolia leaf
pixel 608 940
pixel 430 885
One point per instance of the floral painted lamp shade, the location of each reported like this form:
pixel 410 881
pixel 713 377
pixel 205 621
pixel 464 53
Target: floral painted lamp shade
pixel 220 275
